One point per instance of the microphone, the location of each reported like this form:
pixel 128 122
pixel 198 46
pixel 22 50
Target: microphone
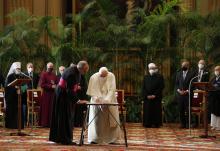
pixel 205 73
pixel 26 75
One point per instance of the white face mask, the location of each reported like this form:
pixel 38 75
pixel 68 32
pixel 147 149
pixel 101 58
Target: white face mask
pixel 151 71
pixel 30 70
pixel 61 72
pixel 17 71
pixel 201 66
pixel 216 73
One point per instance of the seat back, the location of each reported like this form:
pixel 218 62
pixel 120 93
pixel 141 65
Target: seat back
pixel 33 95
pixel 120 96
pixel 120 99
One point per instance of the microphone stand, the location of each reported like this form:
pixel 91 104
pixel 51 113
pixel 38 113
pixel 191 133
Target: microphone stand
pixel 190 83
pixel 32 99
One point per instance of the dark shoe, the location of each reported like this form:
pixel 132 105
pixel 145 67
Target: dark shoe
pixel 148 126
pixel 68 143
pixel 155 126
pixel 113 143
pixel 194 125
pixel 93 143
pixel 182 126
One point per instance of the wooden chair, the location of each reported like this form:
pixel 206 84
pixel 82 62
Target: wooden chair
pixel 197 107
pixel 2 106
pixel 33 95
pixel 120 98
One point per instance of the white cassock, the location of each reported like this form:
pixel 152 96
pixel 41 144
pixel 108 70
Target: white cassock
pixel 104 128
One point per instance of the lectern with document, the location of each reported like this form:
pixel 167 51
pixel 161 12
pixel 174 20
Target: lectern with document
pixel 18 83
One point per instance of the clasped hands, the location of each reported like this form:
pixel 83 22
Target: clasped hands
pixel 182 92
pixel 151 97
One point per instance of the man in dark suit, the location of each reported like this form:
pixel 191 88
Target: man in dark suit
pixel 34 76
pixel 183 78
pixel 200 72
pixel 31 85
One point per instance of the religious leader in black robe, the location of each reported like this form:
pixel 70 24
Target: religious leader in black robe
pixel 2 80
pixel 153 85
pixel 66 96
pixel 80 108
pixel 11 97
pixel 213 99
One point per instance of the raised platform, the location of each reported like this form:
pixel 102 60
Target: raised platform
pixel 168 137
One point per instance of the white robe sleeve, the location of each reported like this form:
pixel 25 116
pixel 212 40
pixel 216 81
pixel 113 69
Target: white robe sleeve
pixel 90 87
pixel 111 84
pixel 93 90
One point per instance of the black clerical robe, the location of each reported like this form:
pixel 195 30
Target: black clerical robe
pixel 80 108
pixel 152 109
pixel 11 99
pixel 2 80
pixel 214 96
pixel 63 107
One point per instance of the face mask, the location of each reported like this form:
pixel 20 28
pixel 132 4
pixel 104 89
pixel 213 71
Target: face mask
pixel 49 69
pixel 17 71
pixel 201 66
pixel 216 73
pixel 151 71
pixel 61 72
pixel 30 70
pixel 184 68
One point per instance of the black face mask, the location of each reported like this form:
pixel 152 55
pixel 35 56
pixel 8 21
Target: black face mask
pixel 49 69
pixel 184 68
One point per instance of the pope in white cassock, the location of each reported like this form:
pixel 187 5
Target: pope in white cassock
pixel 104 127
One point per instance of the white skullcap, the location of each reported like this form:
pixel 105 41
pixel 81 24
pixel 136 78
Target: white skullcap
pixel 152 65
pixel 103 69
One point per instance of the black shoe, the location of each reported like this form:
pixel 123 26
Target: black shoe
pixel 155 126
pixel 68 143
pixel 93 143
pixel 194 126
pixel 182 126
pixel 148 126
pixel 113 143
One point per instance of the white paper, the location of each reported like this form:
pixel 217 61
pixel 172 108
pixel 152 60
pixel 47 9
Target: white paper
pixel 35 94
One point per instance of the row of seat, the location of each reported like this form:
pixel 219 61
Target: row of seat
pixel 33 96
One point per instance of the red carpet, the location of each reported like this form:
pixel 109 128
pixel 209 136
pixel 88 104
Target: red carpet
pixel 168 137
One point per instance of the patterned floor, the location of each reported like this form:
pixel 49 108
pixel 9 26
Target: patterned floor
pixel 168 137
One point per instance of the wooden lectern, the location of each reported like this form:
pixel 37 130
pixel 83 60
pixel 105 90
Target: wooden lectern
pixel 18 83
pixel 203 88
